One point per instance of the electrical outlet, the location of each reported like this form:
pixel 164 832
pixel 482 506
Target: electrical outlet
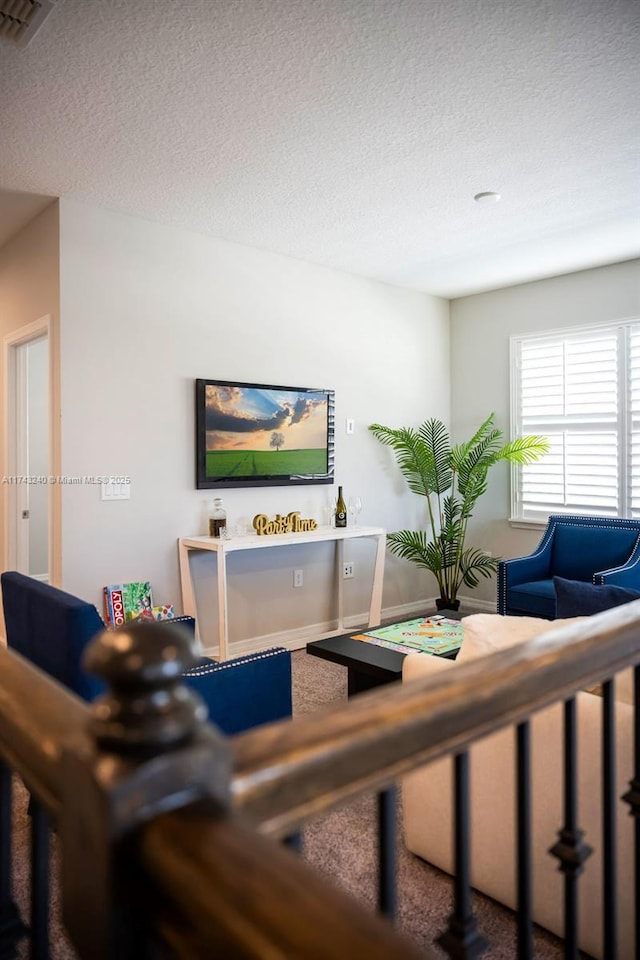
pixel 347 570
pixel 298 578
pixel 350 425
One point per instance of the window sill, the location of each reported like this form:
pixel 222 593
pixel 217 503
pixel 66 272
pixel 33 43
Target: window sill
pixel 527 524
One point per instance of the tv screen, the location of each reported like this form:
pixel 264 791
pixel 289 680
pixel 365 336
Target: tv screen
pixel 253 435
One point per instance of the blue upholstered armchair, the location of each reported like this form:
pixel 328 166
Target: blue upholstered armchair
pixel 596 550
pixel 51 628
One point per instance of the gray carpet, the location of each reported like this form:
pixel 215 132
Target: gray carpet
pixel 342 845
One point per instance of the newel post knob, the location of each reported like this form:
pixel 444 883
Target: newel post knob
pixel 147 709
pixel 150 752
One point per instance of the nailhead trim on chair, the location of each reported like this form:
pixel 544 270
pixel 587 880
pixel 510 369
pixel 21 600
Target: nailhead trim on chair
pixel 591 521
pixel 228 664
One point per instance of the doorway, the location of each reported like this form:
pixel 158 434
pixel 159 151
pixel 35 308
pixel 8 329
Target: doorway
pixel 28 451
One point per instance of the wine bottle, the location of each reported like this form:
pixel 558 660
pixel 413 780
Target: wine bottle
pixel 217 520
pixel 341 510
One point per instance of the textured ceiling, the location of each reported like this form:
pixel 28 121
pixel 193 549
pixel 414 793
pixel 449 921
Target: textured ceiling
pixel 352 133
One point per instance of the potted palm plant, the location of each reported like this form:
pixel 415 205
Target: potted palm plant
pixel 452 478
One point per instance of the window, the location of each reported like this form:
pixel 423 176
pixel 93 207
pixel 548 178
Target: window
pixel 581 389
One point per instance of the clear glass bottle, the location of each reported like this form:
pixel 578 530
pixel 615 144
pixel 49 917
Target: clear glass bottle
pixel 341 510
pixel 217 519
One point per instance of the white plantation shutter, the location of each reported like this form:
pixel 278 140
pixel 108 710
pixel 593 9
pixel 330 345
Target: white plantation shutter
pixel 581 389
pixel 633 467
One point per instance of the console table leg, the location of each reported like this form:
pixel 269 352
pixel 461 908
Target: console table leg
pixel 375 610
pixel 186 586
pixel 340 562
pixel 223 621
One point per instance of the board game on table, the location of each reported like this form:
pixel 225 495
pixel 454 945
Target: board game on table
pixel 375 656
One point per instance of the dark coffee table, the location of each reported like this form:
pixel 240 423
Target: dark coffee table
pixel 368 665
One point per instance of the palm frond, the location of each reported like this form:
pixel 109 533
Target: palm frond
pixel 414 459
pixel 415 462
pixel 523 450
pixel 414 545
pixel 476 563
pixel 435 437
pixel 474 488
pixel 479 457
pixel 462 449
pixel 452 513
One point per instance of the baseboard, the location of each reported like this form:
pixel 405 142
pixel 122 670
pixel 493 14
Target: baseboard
pixel 298 638
pixel 487 606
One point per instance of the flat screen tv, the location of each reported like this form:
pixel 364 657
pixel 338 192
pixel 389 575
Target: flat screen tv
pixel 255 435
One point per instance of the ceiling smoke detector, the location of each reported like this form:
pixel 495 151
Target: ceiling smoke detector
pixel 20 20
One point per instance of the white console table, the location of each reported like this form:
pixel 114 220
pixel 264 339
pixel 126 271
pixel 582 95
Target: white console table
pixel 223 547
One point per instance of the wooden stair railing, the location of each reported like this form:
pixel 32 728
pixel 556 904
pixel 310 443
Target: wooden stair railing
pixel 168 830
pixel 154 856
pixel 286 772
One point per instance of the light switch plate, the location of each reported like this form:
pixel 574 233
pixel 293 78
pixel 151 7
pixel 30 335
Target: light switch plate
pixel 116 491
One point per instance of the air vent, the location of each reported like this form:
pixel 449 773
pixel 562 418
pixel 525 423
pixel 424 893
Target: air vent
pixel 20 20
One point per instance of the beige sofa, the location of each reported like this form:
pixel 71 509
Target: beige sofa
pixel 428 798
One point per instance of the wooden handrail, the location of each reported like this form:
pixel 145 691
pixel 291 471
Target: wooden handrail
pixel 38 719
pixel 220 889
pixel 285 773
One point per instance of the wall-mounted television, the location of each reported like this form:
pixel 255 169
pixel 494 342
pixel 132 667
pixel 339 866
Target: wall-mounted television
pixel 254 435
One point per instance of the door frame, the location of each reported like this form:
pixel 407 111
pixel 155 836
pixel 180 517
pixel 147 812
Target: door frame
pixel 17 461
pixel 43 327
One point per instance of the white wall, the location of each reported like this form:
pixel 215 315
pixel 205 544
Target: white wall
pixel 146 309
pixel 480 329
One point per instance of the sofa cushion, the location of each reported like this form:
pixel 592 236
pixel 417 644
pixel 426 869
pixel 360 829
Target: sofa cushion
pixel 535 599
pixel 575 598
pixel 578 551
pixel 486 633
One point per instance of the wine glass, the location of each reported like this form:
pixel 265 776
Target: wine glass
pixel 354 506
pixel 330 507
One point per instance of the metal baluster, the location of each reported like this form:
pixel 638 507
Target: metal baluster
pixel 523 828
pixel 609 822
pixel 12 928
pixel 39 881
pixel 387 801
pixel 632 797
pixel 294 841
pixel 462 939
pixel 570 850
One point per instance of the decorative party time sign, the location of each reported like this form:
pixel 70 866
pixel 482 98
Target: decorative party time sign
pixel 292 523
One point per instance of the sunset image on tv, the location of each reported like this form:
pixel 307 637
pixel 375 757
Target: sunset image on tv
pixel 259 431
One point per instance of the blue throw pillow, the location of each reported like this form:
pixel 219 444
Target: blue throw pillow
pixel 575 598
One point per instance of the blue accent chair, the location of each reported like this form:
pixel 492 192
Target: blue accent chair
pixel 51 629
pixel 597 550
